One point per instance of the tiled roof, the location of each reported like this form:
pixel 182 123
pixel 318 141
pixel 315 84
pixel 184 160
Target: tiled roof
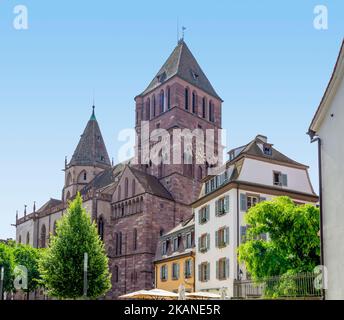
pixel 183 64
pixel 91 149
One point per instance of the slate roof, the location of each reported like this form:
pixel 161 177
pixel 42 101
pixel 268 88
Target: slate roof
pixel 151 184
pixel 253 149
pixel 49 205
pixel 183 64
pixel 91 149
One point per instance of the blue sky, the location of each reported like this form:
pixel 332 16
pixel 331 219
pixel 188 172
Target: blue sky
pixel 266 60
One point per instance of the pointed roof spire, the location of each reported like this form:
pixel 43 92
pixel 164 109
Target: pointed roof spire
pixel 91 149
pixel 183 64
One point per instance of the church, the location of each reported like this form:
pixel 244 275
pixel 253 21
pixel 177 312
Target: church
pixel 136 202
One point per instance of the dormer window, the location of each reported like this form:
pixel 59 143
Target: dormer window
pixel 194 75
pixel 162 77
pixel 267 149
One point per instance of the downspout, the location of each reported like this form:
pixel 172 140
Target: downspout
pixel 322 260
pixel 237 225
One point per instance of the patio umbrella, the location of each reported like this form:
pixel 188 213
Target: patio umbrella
pixel 155 294
pixel 203 296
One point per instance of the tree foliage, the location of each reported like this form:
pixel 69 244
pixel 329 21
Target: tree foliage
pixel 7 261
pixel 62 263
pixel 294 243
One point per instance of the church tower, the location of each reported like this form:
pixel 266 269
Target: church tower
pixel 89 159
pixel 179 97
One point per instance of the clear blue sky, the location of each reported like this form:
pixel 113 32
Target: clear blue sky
pixel 264 58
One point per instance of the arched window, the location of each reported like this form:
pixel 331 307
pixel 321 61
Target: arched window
pixel 148 109
pixel 168 98
pixel 119 193
pixel 85 176
pixel 204 103
pixel 133 187
pixel 135 239
pixel 126 188
pixel 43 236
pixel 162 101
pixel 186 98
pixel 116 243
pixel 154 106
pixel 28 238
pixel 211 111
pixel 120 243
pixel 69 179
pixel 20 240
pixel 116 274
pixel 194 102
pixel 101 228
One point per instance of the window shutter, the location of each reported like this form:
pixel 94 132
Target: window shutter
pixel 227 235
pixel 217 270
pixel 191 267
pixel 208 241
pixel 227 268
pixel 161 273
pixel 208 271
pixel 227 204
pixel 216 239
pixel 199 244
pixel 200 272
pixel 177 275
pixel 216 207
pixel 243 202
pixel 207 212
pixel 284 180
pixel 199 216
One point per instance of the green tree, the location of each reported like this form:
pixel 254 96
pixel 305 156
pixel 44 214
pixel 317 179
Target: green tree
pixel 62 263
pixel 294 243
pixel 7 261
pixel 28 257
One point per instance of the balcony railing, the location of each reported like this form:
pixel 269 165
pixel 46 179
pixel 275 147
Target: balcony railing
pixel 298 286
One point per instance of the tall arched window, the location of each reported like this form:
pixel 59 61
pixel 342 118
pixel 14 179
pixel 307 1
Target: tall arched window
pixel 126 188
pixel 133 187
pixel 186 98
pixel 69 179
pixel 101 228
pixel 204 103
pixel 116 274
pixel 154 106
pixel 28 238
pixel 168 98
pixel 116 243
pixel 43 236
pixel 148 109
pixel 200 173
pixel 119 193
pixel 120 243
pixel 194 102
pixel 162 101
pixel 135 239
pixel 211 111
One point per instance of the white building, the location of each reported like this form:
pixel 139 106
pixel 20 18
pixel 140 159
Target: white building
pixel 327 128
pixel 254 173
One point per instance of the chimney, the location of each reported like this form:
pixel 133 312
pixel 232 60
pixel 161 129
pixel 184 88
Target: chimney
pixel 262 138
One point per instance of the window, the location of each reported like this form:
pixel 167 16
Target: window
pixel 43 236
pixel 148 109
pixel 175 244
pixel 204 272
pixel 175 271
pixel 200 173
pixel 189 241
pixel 116 274
pixel 222 269
pixel 85 176
pixel 188 269
pixel 252 201
pixel 222 206
pixel 186 99
pixel 101 228
pixel 162 101
pixel 154 106
pixel 267 149
pixel 119 193
pixel 20 240
pixel 204 242
pixel 222 237
pixel 194 102
pixel 168 98
pixel 119 243
pixel 164 248
pixel 243 230
pixel 204 103
pixel 280 179
pixel 163 273
pixel 28 238
pixel 203 215
pixel 211 111
pixel 126 188
pixel 135 239
pixel 133 187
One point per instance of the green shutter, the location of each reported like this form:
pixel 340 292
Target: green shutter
pixel 207 212
pixel 199 244
pixel 227 268
pixel 200 272
pixel 243 202
pixel 227 204
pixel 208 271
pixel 216 239
pixel 208 241
pixel 227 235
pixel 216 207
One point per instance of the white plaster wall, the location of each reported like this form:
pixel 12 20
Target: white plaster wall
pixel 331 133
pixel 261 172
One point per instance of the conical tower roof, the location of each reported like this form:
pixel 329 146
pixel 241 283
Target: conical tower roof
pixel 183 64
pixel 91 150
